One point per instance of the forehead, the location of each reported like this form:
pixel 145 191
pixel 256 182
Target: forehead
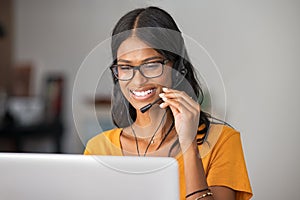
pixel 133 49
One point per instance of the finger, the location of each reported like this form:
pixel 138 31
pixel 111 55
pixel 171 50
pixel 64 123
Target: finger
pixel 182 98
pixel 174 110
pixel 171 93
pixel 181 106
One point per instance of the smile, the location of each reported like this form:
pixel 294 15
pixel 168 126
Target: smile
pixel 143 93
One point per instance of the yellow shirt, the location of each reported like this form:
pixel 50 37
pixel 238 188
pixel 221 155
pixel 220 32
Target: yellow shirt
pixel 222 158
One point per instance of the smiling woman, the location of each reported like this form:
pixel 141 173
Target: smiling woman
pixel 150 64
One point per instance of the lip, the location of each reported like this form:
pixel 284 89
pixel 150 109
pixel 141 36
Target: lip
pixel 143 94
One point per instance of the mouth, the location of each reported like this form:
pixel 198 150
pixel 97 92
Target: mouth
pixel 143 94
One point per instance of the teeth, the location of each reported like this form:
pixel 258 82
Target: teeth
pixel 142 93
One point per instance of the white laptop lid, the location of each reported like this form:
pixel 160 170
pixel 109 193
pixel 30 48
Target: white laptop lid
pixel 78 177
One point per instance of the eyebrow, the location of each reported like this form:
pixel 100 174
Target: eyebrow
pixel 143 61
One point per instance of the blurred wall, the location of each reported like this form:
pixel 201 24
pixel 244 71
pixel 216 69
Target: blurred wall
pixel 255 45
pixel 6 36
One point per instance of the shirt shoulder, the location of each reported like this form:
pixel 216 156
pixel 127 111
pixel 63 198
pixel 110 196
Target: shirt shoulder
pixel 105 143
pixel 217 135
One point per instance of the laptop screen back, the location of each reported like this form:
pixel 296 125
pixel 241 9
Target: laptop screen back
pixel 78 177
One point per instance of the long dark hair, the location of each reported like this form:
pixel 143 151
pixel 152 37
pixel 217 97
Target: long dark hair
pixel 157 29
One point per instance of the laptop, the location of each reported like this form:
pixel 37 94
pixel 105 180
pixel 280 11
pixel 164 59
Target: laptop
pixel 26 176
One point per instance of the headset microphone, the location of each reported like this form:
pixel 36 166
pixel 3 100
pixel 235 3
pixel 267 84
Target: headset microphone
pixel 148 106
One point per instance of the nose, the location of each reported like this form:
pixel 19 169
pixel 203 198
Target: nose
pixel 138 78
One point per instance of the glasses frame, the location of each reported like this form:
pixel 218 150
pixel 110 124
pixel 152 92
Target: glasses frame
pixel 114 69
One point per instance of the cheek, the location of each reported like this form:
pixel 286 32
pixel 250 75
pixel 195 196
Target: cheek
pixel 166 77
pixel 165 81
pixel 123 85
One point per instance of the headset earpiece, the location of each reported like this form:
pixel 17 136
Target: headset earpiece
pixel 180 75
pixel 183 71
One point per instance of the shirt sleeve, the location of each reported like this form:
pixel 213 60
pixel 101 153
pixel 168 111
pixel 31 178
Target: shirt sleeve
pixel 228 168
pixel 106 143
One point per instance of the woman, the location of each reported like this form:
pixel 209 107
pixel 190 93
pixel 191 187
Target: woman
pixel 151 65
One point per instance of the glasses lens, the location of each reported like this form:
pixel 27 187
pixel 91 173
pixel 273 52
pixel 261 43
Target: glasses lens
pixel 124 72
pixel 152 70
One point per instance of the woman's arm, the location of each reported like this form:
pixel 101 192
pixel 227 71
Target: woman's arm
pixel 186 113
pixel 196 180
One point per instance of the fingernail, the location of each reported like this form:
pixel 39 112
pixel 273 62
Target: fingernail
pixel 161 105
pixel 164 89
pixel 161 95
pixel 164 98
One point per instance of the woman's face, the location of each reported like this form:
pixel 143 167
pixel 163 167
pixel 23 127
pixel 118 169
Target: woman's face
pixel 140 90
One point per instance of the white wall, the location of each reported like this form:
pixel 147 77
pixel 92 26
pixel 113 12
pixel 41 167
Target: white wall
pixel 255 45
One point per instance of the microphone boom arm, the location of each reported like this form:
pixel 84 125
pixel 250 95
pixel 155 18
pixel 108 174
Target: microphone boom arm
pixel 148 106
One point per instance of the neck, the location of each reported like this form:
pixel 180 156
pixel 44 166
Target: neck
pixel 153 120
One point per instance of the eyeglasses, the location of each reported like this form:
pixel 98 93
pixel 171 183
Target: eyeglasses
pixel 148 70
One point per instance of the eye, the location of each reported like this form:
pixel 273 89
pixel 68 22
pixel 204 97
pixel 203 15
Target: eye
pixel 124 67
pixel 152 65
